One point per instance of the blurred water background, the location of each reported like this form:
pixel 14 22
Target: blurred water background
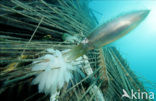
pixel 139 46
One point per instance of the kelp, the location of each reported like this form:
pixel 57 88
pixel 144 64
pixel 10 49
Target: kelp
pixel 28 28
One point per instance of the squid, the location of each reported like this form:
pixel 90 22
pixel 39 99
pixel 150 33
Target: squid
pixel 108 32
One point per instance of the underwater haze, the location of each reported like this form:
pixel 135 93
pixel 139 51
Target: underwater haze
pixel 139 46
pixel 49 50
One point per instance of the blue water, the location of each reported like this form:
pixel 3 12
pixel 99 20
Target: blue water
pixel 139 46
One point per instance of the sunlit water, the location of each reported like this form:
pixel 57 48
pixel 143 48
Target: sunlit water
pixel 139 46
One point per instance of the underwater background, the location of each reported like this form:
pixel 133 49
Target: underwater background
pixel 139 46
pixel 35 36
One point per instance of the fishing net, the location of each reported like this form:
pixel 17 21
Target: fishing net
pixel 28 28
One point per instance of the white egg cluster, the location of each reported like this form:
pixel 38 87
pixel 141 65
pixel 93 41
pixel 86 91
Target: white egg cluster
pixel 56 71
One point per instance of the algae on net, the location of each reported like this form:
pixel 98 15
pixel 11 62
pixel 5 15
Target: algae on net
pixel 28 28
